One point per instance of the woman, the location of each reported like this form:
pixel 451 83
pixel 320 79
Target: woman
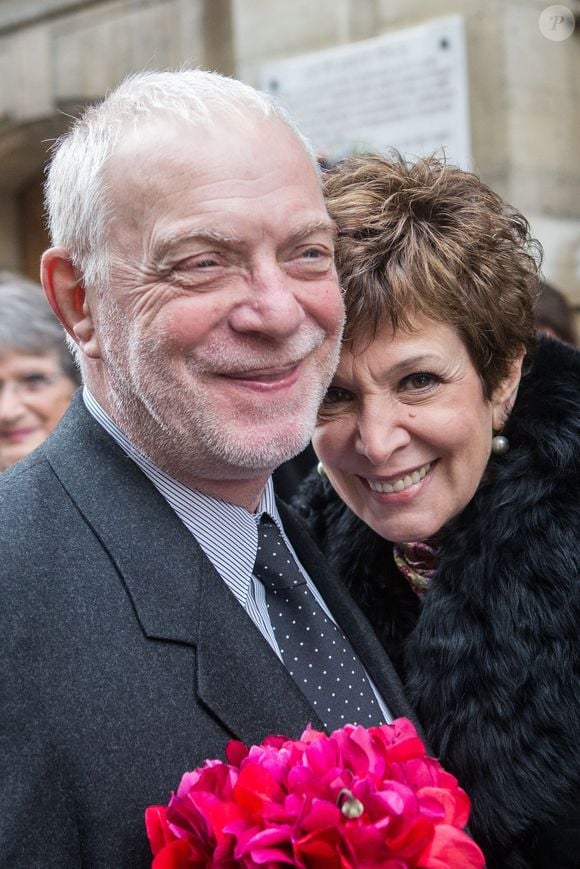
pixel 451 503
pixel 37 373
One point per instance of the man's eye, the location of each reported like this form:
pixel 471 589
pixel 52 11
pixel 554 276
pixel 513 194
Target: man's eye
pixel 199 271
pixel 205 262
pixel 319 257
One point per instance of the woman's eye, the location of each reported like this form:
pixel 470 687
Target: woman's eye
pixel 420 380
pixel 34 378
pixel 335 395
pixel 35 381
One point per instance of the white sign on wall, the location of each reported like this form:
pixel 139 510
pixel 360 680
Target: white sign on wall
pixel 407 89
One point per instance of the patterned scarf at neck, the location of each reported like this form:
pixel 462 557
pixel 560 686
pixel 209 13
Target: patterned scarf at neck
pixel 417 562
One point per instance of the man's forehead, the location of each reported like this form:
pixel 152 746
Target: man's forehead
pixel 166 137
pixel 177 172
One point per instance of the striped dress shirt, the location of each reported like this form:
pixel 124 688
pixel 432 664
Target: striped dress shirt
pixel 227 533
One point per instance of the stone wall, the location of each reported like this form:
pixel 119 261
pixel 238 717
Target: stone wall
pixel 55 56
pixel 524 95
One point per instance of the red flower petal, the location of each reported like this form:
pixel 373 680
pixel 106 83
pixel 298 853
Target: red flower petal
pixel 236 752
pixel 320 852
pixel 455 804
pixel 267 846
pixel 451 847
pixel 158 831
pixel 255 787
pixel 180 855
pixel 321 815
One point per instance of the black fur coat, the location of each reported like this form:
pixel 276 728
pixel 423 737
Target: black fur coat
pixel 491 657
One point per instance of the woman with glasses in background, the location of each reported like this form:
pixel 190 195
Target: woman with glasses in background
pixel 38 375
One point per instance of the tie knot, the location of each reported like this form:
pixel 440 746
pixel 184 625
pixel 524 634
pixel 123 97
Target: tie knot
pixel 275 567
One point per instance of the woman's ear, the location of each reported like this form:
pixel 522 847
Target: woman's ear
pixel 66 296
pixel 504 395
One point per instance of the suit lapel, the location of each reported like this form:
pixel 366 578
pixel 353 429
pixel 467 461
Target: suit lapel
pixel 176 593
pixel 154 554
pixel 240 679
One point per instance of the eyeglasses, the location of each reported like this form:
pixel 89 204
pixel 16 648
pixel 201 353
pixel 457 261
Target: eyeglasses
pixel 30 384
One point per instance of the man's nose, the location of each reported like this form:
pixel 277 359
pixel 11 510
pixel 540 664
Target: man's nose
pixel 272 306
pixel 381 432
pixel 11 406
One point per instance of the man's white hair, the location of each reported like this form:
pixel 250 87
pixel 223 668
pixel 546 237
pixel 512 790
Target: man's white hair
pixel 76 195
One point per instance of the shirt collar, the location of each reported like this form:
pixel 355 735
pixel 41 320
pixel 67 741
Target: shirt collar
pixel 227 533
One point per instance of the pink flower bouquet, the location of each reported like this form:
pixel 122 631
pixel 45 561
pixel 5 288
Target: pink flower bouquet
pixel 357 799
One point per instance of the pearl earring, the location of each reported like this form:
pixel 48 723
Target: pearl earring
pixel 499 445
pixel 322 470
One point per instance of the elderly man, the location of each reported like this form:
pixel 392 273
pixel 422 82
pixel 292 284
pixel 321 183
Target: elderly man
pixel 193 269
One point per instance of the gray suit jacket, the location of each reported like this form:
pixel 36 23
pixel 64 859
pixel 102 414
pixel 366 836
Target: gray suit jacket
pixel 124 658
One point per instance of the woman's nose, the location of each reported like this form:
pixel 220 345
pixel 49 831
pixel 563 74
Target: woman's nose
pixel 380 434
pixel 11 406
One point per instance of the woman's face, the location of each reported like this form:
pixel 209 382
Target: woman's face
pixel 34 394
pixel 405 432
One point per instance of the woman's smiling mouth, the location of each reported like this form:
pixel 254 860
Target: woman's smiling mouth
pixel 403 482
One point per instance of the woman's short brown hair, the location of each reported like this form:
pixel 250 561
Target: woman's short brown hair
pixel 429 238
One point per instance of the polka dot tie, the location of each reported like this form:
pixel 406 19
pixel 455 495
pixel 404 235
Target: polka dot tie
pixel 315 651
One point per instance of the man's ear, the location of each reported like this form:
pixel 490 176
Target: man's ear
pixel 504 395
pixel 66 296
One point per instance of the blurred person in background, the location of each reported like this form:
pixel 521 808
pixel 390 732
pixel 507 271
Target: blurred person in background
pixel 554 315
pixel 451 505
pixel 38 375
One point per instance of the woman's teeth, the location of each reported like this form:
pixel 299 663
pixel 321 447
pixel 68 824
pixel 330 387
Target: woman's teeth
pixel 403 483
